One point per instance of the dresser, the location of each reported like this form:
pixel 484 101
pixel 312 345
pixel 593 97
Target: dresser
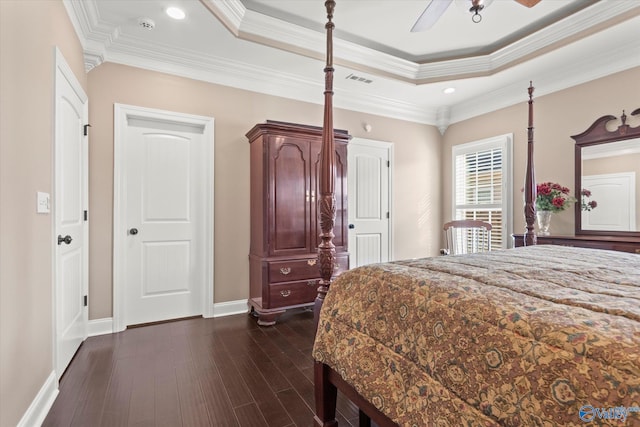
pixel 613 243
pixel 285 228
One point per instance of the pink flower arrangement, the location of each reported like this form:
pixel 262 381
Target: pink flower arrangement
pixel 585 203
pixel 553 197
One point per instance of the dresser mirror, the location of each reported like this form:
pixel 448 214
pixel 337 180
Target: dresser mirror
pixel 607 165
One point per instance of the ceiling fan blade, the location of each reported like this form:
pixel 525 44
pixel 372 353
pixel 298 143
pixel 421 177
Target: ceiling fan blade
pixel 528 3
pixel 430 15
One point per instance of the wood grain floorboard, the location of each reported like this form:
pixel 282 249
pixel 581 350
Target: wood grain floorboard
pixel 167 401
pixel 250 416
pixel 226 372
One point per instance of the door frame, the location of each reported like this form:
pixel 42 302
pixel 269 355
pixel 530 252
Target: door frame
pixel 63 69
pixel 388 146
pixel 121 114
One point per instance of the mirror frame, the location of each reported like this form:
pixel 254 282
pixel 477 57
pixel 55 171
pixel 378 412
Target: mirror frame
pixel 598 134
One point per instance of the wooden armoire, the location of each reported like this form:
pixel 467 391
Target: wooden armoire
pixel 285 228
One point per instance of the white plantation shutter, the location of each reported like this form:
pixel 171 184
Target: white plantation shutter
pixel 482 185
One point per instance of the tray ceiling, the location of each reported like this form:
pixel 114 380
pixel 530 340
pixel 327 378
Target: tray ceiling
pixel 277 47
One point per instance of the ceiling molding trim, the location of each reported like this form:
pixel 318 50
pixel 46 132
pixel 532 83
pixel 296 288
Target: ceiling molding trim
pixel 283 33
pixel 247 77
pixel 226 73
pixel 92 59
pixel 590 20
pixel 623 58
pixel 262 80
pixel 230 12
pixel 546 40
pixel 102 42
pixel 385 107
pixel 293 38
pixel 75 11
pixel 274 32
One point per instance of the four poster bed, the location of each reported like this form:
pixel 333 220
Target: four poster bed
pixel 538 335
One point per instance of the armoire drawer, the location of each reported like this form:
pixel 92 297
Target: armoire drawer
pixel 293 293
pixel 299 269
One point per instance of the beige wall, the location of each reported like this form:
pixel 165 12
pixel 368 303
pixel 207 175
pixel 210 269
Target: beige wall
pixel 556 117
pixel 416 182
pixel 28 33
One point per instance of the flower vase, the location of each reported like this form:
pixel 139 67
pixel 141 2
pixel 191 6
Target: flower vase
pixel 544 221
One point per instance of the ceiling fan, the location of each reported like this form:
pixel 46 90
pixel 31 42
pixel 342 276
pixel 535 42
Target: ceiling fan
pixel 436 8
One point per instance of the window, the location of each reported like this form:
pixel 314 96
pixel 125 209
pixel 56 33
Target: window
pixel 482 185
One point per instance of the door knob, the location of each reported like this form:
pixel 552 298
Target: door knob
pixel 351 226
pixel 66 239
pixel 133 231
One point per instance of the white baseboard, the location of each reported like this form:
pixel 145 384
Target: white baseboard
pixel 105 326
pixel 100 326
pixel 39 408
pixel 230 307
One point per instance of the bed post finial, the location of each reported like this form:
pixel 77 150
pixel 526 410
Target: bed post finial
pixel 327 200
pixel 530 179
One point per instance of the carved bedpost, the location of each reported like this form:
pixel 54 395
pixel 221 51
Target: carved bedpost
pixel 327 199
pixel 530 180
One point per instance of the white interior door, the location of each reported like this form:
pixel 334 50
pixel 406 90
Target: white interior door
pixel 369 189
pixel 166 219
pixel 616 197
pixel 70 202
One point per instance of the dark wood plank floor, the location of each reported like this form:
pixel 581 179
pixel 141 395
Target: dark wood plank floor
pixel 225 371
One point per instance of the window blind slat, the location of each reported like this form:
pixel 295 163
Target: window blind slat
pixel 478 189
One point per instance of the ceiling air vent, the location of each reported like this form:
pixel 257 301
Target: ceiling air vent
pixel 358 78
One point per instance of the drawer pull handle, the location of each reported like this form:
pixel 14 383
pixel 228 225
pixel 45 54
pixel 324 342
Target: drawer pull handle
pixel 312 282
pixel 312 262
pixel 285 270
pixel 285 293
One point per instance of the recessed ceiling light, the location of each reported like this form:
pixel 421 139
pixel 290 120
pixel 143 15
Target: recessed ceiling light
pixel 449 90
pixel 175 12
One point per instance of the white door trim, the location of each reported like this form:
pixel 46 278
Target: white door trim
pixel 62 67
pixel 389 147
pixel 121 114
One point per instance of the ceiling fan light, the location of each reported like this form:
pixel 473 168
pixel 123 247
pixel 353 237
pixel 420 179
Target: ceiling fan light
pixel 464 5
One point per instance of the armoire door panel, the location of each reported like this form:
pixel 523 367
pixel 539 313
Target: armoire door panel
pixel 290 198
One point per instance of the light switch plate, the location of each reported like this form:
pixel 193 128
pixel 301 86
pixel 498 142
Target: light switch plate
pixel 43 203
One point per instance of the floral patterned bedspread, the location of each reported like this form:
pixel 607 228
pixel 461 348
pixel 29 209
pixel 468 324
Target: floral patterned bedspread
pixel 535 336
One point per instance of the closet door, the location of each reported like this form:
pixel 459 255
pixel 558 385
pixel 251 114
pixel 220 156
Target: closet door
pixel 290 197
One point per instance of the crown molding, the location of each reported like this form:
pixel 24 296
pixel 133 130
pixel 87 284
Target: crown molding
pixel 274 32
pixel 249 77
pixel 586 22
pixel 624 57
pixel 103 43
pixel 229 12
